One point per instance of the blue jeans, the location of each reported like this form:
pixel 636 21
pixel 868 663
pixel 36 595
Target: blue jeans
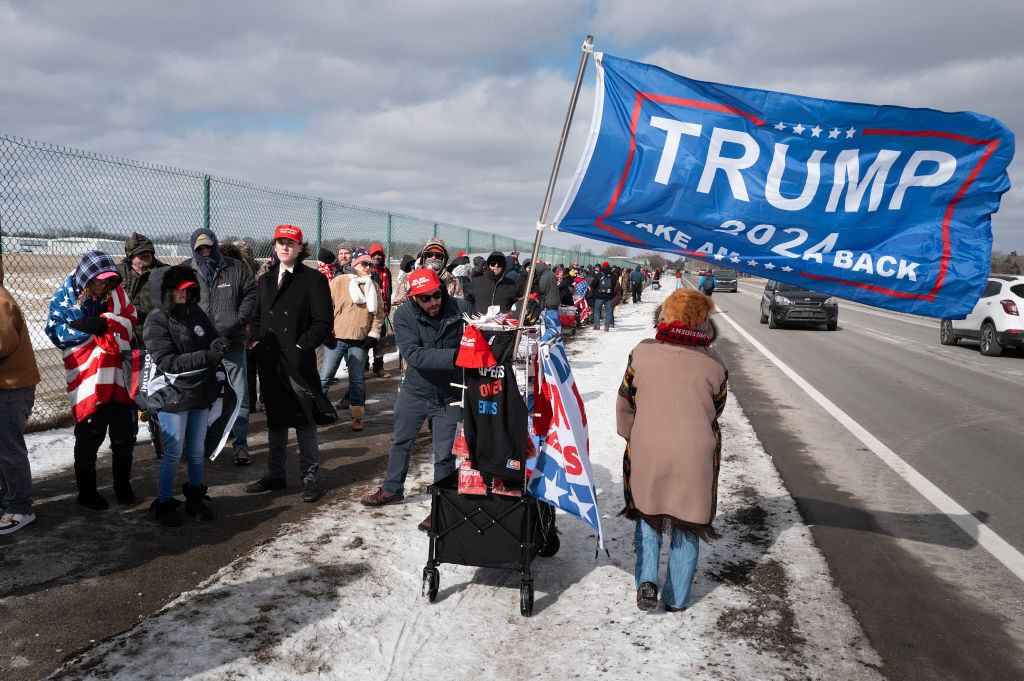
pixel 15 471
pixel 682 561
pixel 186 428
pixel 235 366
pixel 355 358
pixel 609 312
pixel 410 413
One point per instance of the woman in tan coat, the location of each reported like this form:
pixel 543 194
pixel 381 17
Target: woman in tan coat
pixel 358 318
pixel 667 409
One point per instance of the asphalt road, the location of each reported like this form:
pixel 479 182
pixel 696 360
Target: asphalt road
pixel 934 603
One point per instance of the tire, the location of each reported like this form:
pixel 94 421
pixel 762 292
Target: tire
pixel 946 335
pixel 990 346
pixel 764 317
pixel 526 598
pixel 832 326
pixel 431 580
pixel 772 324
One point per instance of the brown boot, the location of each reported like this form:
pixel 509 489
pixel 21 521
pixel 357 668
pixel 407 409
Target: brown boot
pixel 357 413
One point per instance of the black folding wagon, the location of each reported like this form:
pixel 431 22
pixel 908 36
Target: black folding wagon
pixel 491 531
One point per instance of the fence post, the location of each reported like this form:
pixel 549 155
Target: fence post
pixel 319 224
pixel 435 229
pixel 206 201
pixel 494 243
pixel 387 245
pixel 469 242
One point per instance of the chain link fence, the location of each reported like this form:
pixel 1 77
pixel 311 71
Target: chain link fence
pixel 56 203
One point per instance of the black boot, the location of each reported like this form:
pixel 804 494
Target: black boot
pixel 85 477
pixel 122 472
pixel 166 512
pixel 194 497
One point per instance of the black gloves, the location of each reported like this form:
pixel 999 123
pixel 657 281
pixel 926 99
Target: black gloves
pixel 407 263
pixel 213 357
pixel 221 345
pixel 97 326
pixel 369 343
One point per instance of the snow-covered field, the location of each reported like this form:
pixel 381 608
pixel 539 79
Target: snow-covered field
pixel 338 594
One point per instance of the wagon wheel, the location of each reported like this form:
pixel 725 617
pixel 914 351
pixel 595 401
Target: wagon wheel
pixel 526 598
pixel 431 580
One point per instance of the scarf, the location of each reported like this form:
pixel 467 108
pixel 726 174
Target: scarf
pixel 679 334
pixel 354 292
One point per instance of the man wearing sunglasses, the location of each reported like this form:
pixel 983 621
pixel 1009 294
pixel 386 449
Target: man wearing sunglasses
pixel 428 330
pixel 434 256
pixel 491 287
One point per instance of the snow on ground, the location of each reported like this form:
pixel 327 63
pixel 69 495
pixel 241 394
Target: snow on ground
pixel 338 595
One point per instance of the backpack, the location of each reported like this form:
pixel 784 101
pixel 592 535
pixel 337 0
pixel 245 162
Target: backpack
pixel 708 284
pixel 605 287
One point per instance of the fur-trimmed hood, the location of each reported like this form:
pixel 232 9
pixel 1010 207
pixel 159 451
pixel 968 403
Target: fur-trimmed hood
pixel 164 281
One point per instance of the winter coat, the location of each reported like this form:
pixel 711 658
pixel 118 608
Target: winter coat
pixel 430 352
pixel 667 410
pixel 136 285
pixel 485 290
pixel 289 325
pixel 565 290
pixel 228 295
pixel 595 283
pixel 450 281
pixel 17 359
pixel 178 336
pixel 636 276
pixel 545 285
pixel 92 364
pixel 358 308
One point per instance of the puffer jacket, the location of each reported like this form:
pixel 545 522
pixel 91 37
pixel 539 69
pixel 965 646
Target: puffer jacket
pixel 486 290
pixel 450 281
pixel 230 300
pixel 430 352
pixel 178 336
pixel 136 285
pixel 545 285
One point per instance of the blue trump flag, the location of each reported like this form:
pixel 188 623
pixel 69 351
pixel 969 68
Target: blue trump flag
pixel 885 205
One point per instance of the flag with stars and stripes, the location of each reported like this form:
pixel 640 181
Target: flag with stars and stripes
pixel 562 475
pixel 886 205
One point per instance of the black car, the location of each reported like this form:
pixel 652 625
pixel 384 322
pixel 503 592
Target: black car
pixel 725 280
pixel 788 304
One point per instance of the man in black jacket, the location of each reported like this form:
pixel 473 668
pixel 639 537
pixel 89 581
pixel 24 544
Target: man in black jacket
pixel 294 317
pixel 428 330
pixel 227 294
pixel 492 287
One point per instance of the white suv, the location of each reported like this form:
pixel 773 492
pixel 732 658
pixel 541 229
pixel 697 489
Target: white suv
pixel 995 321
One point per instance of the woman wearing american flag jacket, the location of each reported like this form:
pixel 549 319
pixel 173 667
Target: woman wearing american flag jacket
pixel 91 321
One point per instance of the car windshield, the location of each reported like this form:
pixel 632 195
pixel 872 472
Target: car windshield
pixel 790 287
pixel 724 274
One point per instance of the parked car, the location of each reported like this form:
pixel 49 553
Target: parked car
pixel 789 304
pixel 725 280
pixel 995 321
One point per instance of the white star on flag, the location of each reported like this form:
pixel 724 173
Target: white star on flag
pixel 834 133
pixel 718 256
pixel 584 507
pixel 780 126
pixel 769 266
pixel 752 263
pixel 787 268
pixel 849 133
pixel 734 259
pixel 815 131
pixel 799 129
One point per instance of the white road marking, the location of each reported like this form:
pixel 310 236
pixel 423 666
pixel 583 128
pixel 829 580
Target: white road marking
pixel 999 548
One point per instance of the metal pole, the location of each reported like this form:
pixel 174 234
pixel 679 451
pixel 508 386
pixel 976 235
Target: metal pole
pixel 387 252
pixel 206 201
pixel 319 225
pixel 588 47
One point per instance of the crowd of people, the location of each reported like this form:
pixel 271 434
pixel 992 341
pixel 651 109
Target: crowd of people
pixel 219 320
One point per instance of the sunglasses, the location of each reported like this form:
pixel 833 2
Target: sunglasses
pixel 494 263
pixel 427 297
pixel 434 255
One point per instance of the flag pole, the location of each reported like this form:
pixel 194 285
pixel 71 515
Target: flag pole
pixel 588 48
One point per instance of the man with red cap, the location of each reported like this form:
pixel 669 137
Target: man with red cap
pixel 293 317
pixel 428 330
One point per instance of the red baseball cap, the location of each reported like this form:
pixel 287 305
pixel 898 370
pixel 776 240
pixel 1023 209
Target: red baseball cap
pixel 185 285
pixel 288 232
pixel 474 352
pixel 423 281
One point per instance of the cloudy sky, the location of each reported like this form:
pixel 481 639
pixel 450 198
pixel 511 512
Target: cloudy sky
pixel 451 109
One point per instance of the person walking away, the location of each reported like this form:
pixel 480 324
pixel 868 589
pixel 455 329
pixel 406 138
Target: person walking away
pixel 293 318
pixel 358 320
pixel 19 376
pixel 428 331
pixel 606 291
pixel 636 284
pixel 707 283
pixel 667 410
pixel 227 294
pixel 139 260
pixel 492 287
pixel 183 342
pixel 382 277
pixel 679 278
pixel 91 321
